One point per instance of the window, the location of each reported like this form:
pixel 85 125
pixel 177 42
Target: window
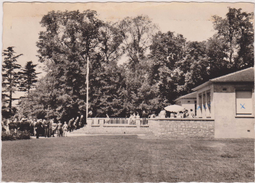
pixel 243 102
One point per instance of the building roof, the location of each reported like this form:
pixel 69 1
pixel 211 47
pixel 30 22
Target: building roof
pixel 192 95
pixel 245 75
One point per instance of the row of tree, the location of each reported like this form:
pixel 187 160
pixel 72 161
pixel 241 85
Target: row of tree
pixel 15 78
pixel 159 66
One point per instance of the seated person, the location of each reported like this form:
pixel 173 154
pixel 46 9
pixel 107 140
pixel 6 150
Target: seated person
pixel 179 114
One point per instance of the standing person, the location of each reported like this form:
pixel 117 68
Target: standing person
pixel 144 115
pixel 80 121
pixel 3 126
pixel 180 114
pixel 34 123
pixel 39 128
pixel 50 127
pixel 35 127
pixel 192 115
pixel 76 123
pixel 15 124
pixel 18 125
pixel 131 119
pixel 162 114
pixel 90 114
pixel 54 128
pixel 70 124
pixel 7 126
pixel 46 128
pixel 31 123
pixel 60 129
pixel 186 114
pixel 21 125
pixel 12 126
pixel 65 129
pixel 108 119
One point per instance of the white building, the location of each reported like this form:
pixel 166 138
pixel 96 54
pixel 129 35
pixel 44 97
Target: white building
pixel 229 100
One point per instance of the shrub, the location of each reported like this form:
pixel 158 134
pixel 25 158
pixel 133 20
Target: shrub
pixel 23 134
pixel 7 136
pixel 14 136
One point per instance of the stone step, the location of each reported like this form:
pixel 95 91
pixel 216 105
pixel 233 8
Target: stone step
pixel 110 130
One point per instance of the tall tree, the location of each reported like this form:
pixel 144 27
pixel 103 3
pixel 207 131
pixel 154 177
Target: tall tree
pixel 218 63
pixel 110 41
pixel 28 77
pixel 166 50
pixel 70 39
pixel 236 31
pixel 137 33
pixel 106 76
pixel 10 74
pixel 193 68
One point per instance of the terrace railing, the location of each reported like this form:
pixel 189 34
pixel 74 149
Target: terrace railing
pixel 108 122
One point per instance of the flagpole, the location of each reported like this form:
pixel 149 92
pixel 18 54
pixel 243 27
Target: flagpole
pixel 87 93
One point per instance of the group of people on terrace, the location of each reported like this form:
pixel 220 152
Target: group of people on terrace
pixel 179 114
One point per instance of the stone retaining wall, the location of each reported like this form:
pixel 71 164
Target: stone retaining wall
pixel 182 128
pixel 97 126
pixel 165 128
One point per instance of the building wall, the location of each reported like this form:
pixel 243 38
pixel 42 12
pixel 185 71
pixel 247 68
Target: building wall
pixel 227 123
pixel 182 128
pixel 188 104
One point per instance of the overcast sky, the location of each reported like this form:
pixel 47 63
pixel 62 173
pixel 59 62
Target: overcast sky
pixel 21 20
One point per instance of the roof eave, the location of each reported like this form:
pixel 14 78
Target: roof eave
pixel 202 85
pixel 184 96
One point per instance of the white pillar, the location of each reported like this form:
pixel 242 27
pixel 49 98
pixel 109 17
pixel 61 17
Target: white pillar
pixel 198 106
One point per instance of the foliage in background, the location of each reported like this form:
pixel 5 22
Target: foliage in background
pixel 159 68
pixel 237 33
pixel 28 77
pixel 10 79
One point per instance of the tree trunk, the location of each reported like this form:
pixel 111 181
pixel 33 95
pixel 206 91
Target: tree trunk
pixel 10 102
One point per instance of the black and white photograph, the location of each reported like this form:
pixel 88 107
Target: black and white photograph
pixel 127 92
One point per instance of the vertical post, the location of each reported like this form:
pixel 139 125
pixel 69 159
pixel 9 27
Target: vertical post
pixel 138 123
pixel 87 93
pixel 206 105
pixel 198 106
pixel 211 102
pixel 202 107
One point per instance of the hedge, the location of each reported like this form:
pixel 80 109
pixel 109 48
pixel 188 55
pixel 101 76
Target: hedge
pixel 15 136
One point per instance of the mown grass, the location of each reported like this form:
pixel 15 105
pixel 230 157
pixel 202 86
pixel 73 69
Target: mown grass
pixel 127 159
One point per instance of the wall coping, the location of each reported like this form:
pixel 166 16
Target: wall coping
pixel 166 119
pixel 118 125
pixel 180 119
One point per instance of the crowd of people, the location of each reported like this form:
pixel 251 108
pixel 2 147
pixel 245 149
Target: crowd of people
pixel 180 114
pixel 43 127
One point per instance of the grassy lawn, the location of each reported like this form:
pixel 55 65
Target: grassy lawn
pixel 128 159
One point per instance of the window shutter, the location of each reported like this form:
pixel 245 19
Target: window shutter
pixel 243 102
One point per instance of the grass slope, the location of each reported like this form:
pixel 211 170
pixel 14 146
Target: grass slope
pixel 127 159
